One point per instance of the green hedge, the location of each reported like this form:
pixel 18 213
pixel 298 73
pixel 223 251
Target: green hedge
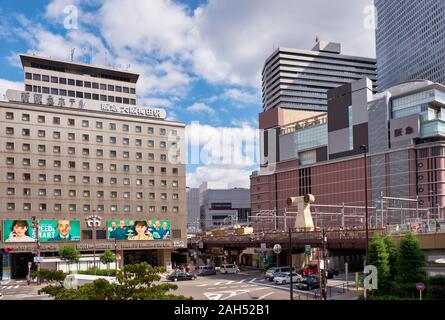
pixel 49 275
pixel 99 272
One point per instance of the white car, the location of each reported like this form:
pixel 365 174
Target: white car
pixel 284 278
pixel 228 268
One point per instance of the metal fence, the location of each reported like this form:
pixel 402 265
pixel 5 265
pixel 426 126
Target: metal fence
pixel 383 214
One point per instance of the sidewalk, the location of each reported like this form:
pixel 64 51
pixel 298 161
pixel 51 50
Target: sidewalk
pixel 348 295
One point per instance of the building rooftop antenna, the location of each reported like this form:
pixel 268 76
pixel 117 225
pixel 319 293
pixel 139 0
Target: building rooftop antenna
pixel 72 54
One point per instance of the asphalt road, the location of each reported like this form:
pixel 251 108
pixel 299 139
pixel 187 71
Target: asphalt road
pixel 246 285
pixel 20 290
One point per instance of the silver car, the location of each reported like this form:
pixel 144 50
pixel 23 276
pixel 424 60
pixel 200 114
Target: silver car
pixel 284 278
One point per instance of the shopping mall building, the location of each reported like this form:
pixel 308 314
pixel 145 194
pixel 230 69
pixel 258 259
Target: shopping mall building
pixel 403 129
pixel 76 144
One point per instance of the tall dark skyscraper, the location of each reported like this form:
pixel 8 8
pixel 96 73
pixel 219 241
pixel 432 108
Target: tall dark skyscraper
pixel 299 79
pixel 410 39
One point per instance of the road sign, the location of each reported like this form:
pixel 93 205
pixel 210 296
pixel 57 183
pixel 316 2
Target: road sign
pixel 420 286
pixel 38 259
pixel 308 250
pixel 277 248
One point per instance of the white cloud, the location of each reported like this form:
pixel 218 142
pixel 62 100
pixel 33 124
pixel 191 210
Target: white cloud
pixel 241 34
pixel 239 97
pixel 199 107
pixel 222 41
pixel 156 102
pixel 232 146
pixel 155 26
pixel 55 9
pixel 231 176
pixel 7 84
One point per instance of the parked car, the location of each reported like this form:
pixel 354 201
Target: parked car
pixel 310 269
pixel 284 278
pixel 271 265
pixel 180 275
pixel 229 268
pixel 272 272
pixel 309 283
pixel 331 273
pixel 206 271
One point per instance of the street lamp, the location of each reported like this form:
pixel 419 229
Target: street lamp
pixel 277 249
pixel 93 222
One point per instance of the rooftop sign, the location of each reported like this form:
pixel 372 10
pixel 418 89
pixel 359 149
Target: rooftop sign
pixel 85 104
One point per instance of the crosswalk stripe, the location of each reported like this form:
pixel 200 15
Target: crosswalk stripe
pixel 241 281
pixel 16 287
pixel 202 285
pixel 262 297
pixel 10 287
pixel 252 280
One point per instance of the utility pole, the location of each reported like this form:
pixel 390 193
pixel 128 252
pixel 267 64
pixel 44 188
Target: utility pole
pixel 35 225
pixel 364 148
pixel 289 252
pixel 324 266
pixel 275 218
pixel 343 215
pixel 381 206
pixel 285 218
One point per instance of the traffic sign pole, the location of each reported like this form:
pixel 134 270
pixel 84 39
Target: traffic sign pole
pixel 420 286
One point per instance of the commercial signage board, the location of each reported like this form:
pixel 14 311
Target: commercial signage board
pixel 6 274
pixel 139 230
pixel 50 230
pixel 44 99
pixel 307 250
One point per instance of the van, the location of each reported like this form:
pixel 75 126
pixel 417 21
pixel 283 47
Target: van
pixel 272 272
pixel 206 271
pixel 228 268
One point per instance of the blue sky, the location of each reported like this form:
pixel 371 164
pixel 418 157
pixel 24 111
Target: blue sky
pixel 199 59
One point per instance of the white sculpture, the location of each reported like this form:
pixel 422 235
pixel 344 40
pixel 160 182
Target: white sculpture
pixel 303 219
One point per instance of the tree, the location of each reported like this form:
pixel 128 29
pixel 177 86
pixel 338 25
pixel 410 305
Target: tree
pixel 410 266
pixel 107 257
pixel 135 282
pixel 391 249
pixel 69 254
pixel 378 257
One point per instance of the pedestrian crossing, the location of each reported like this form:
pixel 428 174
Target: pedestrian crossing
pixel 230 282
pixel 9 287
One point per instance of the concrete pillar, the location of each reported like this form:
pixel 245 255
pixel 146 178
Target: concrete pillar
pixel 298 260
pixel 120 262
pixel 164 256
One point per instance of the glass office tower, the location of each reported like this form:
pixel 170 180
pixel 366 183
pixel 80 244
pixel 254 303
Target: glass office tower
pixel 410 41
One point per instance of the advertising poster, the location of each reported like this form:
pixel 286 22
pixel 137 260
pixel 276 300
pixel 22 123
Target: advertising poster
pixel 139 229
pixel 6 266
pixel 50 230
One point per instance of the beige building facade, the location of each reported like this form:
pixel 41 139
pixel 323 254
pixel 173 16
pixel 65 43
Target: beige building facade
pixel 66 157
